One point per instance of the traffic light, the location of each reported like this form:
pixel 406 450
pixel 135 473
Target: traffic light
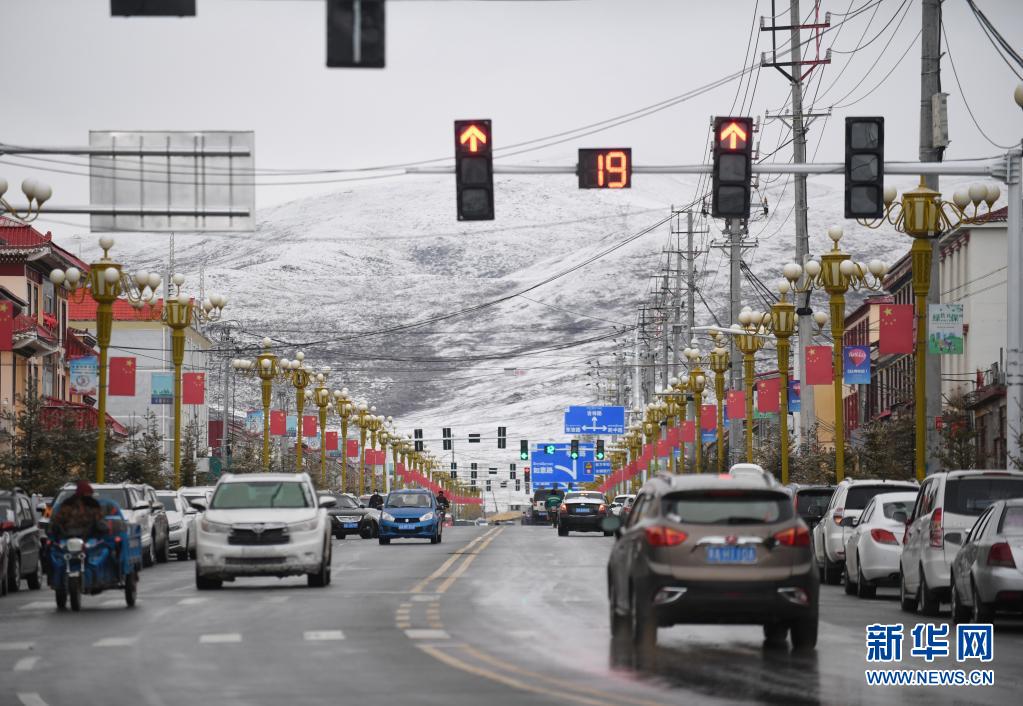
pixel 454 475
pixel 524 449
pixel 574 453
pixel 525 476
pixel 864 167
pixel 599 453
pixel 355 34
pixel 446 442
pixel 733 161
pixel 152 8
pixel 549 449
pixel 418 436
pixel 473 475
pixel 474 170
pixel 488 484
pixel 502 437
pixel 518 486
pixel 511 475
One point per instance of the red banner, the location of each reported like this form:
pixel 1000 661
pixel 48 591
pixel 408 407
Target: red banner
pixel 688 431
pixel 708 417
pixel 663 448
pixel 308 425
pixel 331 441
pixel 278 423
pixel 895 329
pixel 353 448
pixel 674 433
pixel 193 388
pixel 769 395
pixel 122 377
pixel 736 403
pixel 819 370
pixel 6 326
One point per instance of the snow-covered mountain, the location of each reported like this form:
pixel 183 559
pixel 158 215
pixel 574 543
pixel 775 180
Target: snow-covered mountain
pixel 334 275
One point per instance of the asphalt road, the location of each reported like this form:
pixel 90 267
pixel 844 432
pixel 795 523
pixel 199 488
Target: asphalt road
pixel 509 615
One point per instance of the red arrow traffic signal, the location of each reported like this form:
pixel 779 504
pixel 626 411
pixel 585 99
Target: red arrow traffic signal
pixel 473 135
pixel 732 133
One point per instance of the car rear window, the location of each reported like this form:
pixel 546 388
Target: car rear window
pixel 859 495
pixel 727 507
pixel 903 506
pixel 972 496
pixel 114 495
pixel 1012 520
pixel 805 499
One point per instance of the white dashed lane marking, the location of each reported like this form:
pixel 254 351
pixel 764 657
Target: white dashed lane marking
pixel 115 642
pixel 31 699
pixel 427 634
pixel 323 635
pixel 25 664
pixel 38 605
pixel 16 646
pixel 217 638
pixel 425 597
pixel 192 601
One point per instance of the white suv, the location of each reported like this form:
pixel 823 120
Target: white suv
pixel 263 524
pixel 948 505
pixel 847 503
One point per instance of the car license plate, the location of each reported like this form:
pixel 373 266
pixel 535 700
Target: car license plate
pixel 732 555
pixel 351 525
pixel 581 510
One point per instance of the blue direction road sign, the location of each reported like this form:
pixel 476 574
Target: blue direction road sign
pixel 560 467
pixel 595 420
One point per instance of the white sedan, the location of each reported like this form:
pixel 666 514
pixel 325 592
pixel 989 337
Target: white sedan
pixel 874 545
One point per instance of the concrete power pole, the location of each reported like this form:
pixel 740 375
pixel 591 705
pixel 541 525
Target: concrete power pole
pixel 735 430
pixel 930 87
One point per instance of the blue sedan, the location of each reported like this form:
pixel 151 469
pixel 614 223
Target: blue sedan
pixel 410 513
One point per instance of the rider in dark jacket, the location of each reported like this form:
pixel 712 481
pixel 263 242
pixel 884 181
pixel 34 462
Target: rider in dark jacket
pixel 81 515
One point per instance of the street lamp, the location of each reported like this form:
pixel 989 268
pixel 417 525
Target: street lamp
pixel 322 396
pixel 298 373
pixel 749 340
pixel 106 282
pixel 719 363
pixel 925 217
pixel 345 409
pixel 697 383
pixel 35 191
pixel 836 273
pixel 267 367
pixel 783 324
pixel 363 413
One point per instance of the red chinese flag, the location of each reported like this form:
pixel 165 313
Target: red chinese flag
pixel 896 329
pixel 736 403
pixel 122 377
pixel 673 436
pixel 308 425
pixel 6 326
pixel 769 395
pixel 819 370
pixel 193 388
pixel 708 417
pixel 353 449
pixel 278 423
pixel 663 447
pixel 331 441
pixel 688 432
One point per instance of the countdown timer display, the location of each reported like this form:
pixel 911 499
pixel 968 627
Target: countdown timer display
pixel 605 168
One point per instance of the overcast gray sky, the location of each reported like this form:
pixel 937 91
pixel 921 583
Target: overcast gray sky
pixel 534 67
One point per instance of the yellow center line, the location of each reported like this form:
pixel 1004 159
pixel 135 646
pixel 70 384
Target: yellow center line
pixel 418 588
pixel 465 564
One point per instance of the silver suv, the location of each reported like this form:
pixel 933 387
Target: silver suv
pixel 846 505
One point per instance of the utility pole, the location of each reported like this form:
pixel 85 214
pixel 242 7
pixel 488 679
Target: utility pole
pixel 734 228
pixel 676 299
pixel 793 71
pixel 931 150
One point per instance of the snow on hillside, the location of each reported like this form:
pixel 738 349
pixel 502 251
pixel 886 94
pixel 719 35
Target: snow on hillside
pixel 326 274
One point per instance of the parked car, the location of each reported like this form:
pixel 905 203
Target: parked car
pixel 582 511
pixel 180 523
pixel 873 546
pixel 712 549
pixel 846 504
pixel 949 503
pixel 348 516
pixel 7 525
pixel 619 502
pixel 987 573
pixel 140 506
pixel 811 501
pixel 410 513
pixel 24 541
pixel 751 471
pixel 198 496
pixel 263 524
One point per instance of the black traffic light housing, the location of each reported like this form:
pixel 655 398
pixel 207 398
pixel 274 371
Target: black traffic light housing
pixel 454 475
pixel 502 437
pixel 574 452
pixel 864 167
pixel 524 449
pixel 599 452
pixel 733 167
pixel 417 434
pixel 525 476
pixel 446 440
pixel 152 8
pixel 355 34
pixel 474 170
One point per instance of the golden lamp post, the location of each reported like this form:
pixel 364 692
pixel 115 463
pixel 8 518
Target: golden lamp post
pixel 375 424
pixel 363 413
pixel 925 217
pixel 396 441
pixel 749 340
pixel 674 397
pixel 836 273
pixel 697 383
pixel 298 373
pixel 106 282
pixel 634 439
pixel 267 367
pixel 719 364
pixel 783 325
pixel 345 409
pixel 322 397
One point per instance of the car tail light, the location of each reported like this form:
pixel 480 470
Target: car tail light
pixel 1000 554
pixel 664 537
pixel 883 536
pixel 839 514
pixel 937 535
pixel 794 537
